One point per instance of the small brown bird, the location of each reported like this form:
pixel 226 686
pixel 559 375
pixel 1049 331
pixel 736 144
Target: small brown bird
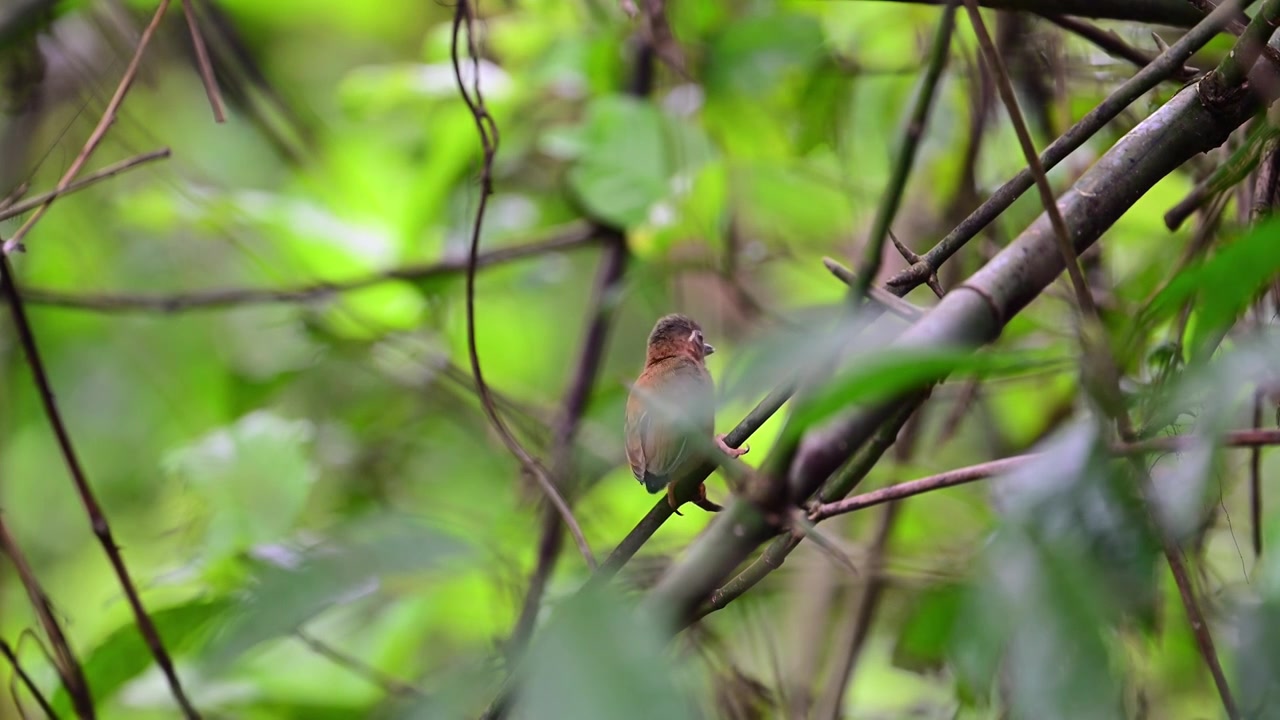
pixel 671 404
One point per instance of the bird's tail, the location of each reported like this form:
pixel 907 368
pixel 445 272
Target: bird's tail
pixel 655 483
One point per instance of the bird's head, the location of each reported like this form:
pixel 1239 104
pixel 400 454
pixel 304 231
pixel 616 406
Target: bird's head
pixel 677 335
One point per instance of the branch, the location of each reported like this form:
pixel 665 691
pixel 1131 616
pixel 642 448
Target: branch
pixel 612 267
pixel 906 155
pixel 202 62
pixel 568 238
pixel 1113 45
pixel 99 132
pixel 982 471
pixel 64 659
pixel 1169 62
pixel 966 318
pixel 109 171
pixel 30 684
pixel 97 519
pixel 1157 12
pixel 388 684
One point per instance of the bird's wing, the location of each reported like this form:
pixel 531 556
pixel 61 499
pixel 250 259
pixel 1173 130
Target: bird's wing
pixel 662 416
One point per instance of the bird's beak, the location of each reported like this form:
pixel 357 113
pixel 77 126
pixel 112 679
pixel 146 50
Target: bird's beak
pixel 707 349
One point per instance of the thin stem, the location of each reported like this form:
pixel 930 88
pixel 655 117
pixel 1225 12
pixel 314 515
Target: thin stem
pixel 1169 62
pixel 99 132
pixel 97 519
pixel 202 62
pixel 30 684
pixel 572 237
pixel 906 155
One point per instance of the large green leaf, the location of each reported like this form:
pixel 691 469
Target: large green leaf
pixel 253 478
pixel 123 655
pixel 599 658
pixel 351 564
pixel 624 167
pixel 1224 284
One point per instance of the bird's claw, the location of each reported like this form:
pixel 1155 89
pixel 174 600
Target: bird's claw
pixel 731 452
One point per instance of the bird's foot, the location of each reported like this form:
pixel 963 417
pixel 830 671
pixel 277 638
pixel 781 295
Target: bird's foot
pixel 704 503
pixel 731 452
pixel 671 499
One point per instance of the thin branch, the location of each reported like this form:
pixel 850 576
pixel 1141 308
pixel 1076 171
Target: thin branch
pixel 99 132
pixel 1169 62
pixel 910 142
pixel 1112 44
pixel 388 684
pixel 487 129
pixel 574 236
pixel 832 704
pixel 1255 478
pixel 1060 232
pixel 97 519
pixel 1163 12
pixel 891 302
pixel 63 659
pixel 202 62
pixel 30 684
pixel 982 471
pixel 109 171
pixel 612 267
pixel 1234 68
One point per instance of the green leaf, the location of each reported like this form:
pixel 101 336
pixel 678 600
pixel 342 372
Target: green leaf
pixel 758 53
pixel 123 655
pixel 624 167
pixel 352 564
pixel 599 658
pixel 1225 284
pixel 922 643
pixel 883 375
pixel 253 477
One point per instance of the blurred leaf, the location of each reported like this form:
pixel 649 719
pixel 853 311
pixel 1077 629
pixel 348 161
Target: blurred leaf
pixel 758 52
pixel 1225 284
pixel 1256 626
pixel 600 658
pixel 254 477
pixel 123 655
pixel 882 375
pixel 297 587
pixel 922 642
pixel 623 169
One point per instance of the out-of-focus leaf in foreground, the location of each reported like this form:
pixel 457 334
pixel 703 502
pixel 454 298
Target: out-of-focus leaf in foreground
pixel 123 655
pixel 352 564
pixel 1073 554
pixel 253 477
pixel 1225 284
pixel 600 658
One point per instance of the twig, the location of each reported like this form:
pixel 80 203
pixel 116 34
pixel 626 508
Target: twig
pixel 912 258
pixel 1002 199
pixel 1234 68
pixel 1063 236
pixel 1255 478
pixel 906 155
pixel 891 302
pixel 832 703
pixel 99 132
pixel 1111 43
pixel 97 519
pixel 30 684
pixel 64 659
pixel 487 129
pixel 109 171
pixel 612 267
pixel 982 471
pixel 572 237
pixel 202 62
pixel 837 487
pixel 661 510
pixel 389 684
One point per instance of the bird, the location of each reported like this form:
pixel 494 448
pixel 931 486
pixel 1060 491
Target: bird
pixel 671 403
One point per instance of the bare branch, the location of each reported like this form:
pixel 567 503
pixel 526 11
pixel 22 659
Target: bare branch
pixel 99 132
